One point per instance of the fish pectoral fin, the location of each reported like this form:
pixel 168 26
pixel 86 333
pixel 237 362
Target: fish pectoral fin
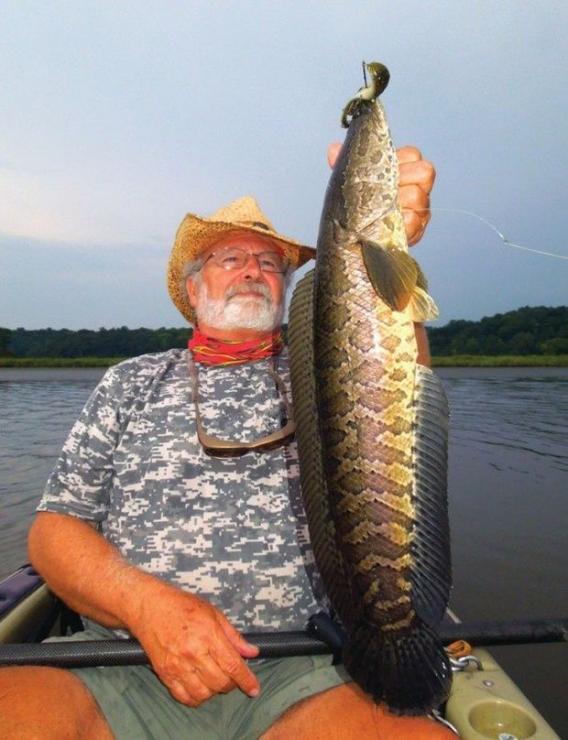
pixel 398 280
pixel 422 306
pixel 393 273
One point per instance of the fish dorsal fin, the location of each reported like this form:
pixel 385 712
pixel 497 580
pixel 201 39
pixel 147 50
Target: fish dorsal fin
pixel 398 280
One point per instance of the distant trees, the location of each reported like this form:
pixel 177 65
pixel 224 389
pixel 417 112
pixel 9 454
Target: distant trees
pixel 120 342
pixel 526 331
pixel 5 336
pixel 536 330
pixel 556 346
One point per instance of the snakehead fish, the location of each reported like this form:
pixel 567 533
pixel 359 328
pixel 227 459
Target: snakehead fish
pixel 372 425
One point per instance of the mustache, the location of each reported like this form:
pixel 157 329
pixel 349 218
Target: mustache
pixel 248 287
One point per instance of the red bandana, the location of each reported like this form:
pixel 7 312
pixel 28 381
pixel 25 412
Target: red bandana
pixel 211 351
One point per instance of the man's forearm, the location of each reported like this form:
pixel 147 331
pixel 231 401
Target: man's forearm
pixel 186 639
pixel 86 571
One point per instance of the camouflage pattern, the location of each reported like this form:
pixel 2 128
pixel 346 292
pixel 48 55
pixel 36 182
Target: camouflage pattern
pixel 231 529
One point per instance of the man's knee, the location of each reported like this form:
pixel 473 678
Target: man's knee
pixel 346 712
pixel 48 703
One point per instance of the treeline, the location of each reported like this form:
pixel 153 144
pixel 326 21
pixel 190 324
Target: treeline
pixel 120 342
pixel 526 331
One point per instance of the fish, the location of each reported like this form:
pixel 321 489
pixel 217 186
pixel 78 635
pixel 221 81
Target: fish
pixel 372 425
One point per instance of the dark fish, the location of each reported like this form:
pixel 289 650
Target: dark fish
pixel 372 425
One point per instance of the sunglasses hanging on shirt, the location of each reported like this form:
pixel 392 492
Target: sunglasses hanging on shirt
pixel 218 447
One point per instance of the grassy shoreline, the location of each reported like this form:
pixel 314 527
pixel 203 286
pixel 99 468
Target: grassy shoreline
pixel 446 361
pixel 501 361
pixel 59 361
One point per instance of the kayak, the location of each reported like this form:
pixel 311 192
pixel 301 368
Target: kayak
pixel 484 701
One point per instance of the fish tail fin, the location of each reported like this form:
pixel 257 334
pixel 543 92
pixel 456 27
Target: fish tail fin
pixel 411 672
pixel 398 280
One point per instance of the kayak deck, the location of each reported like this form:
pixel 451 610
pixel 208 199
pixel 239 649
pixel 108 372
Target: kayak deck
pixel 484 701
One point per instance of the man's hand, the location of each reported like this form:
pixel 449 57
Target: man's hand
pixel 416 179
pixel 193 648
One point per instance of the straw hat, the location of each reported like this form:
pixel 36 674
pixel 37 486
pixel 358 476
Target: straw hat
pixel 196 234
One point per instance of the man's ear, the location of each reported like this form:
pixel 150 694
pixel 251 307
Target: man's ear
pixel 191 291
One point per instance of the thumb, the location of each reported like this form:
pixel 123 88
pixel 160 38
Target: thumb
pixel 333 152
pixel 246 649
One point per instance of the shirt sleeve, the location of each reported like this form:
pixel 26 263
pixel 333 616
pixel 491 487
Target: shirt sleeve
pixel 79 484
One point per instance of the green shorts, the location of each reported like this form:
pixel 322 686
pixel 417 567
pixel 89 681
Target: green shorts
pixel 138 706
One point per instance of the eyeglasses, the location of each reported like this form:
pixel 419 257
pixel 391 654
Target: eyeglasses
pixel 233 448
pixel 235 258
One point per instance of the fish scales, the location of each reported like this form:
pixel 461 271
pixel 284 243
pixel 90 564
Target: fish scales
pixel 359 398
pixel 380 436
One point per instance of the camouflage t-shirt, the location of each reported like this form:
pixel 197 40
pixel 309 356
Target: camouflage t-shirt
pixel 232 529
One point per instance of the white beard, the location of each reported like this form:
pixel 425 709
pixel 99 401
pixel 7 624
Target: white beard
pixel 235 311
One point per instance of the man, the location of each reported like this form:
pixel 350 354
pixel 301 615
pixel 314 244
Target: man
pixel 146 524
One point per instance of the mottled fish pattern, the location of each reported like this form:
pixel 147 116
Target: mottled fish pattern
pixel 374 463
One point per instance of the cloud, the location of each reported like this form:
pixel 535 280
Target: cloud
pixel 118 119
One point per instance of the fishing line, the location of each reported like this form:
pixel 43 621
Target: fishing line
pixel 502 236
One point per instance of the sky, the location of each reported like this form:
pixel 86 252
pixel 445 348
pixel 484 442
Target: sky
pixel 119 118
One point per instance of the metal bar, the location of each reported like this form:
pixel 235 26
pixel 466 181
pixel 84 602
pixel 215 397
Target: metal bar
pixel 511 632
pixel 82 653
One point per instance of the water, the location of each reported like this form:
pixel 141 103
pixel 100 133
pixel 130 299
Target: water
pixel 507 482
pixel 38 406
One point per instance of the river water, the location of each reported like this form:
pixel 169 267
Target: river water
pixel 508 484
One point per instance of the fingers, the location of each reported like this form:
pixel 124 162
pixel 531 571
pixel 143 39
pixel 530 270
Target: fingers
pixel 415 205
pixel 216 673
pixel 199 683
pixel 246 649
pixel 193 648
pixel 333 152
pixel 213 677
pixel 192 691
pixel 415 225
pixel 193 678
pixel 234 666
pixel 416 180
pixel 408 154
pixel 420 173
pixel 178 691
pixel 227 654
pixel 218 666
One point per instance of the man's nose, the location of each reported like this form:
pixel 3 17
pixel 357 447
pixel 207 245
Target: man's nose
pixel 251 270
